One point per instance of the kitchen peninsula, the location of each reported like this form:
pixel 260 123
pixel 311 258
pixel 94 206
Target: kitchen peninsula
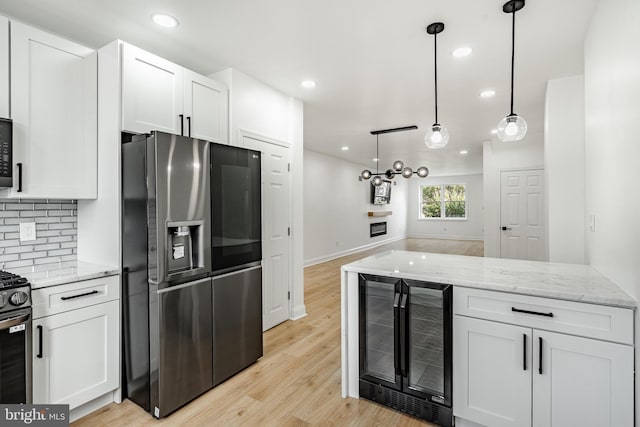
pixel 522 342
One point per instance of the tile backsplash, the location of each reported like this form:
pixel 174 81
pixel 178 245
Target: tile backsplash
pixel 56 232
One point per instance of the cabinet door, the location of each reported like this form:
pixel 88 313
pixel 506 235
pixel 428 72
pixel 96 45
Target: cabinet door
pixel 491 372
pixel 205 108
pixel 152 92
pixel 54 110
pixel 583 382
pixel 4 67
pixel 80 354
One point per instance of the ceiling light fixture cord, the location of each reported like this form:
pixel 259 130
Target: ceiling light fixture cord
pixel 513 51
pixel 377 155
pixel 435 71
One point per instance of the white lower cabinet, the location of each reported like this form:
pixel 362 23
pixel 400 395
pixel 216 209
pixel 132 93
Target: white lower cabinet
pixel 76 355
pixel 513 376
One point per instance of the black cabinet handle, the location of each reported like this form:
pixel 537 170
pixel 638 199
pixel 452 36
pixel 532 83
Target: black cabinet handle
pixel 189 125
pixel 524 352
pixel 181 124
pixel 79 295
pixel 39 355
pixel 505 228
pixel 537 313
pixel 540 361
pixel 19 165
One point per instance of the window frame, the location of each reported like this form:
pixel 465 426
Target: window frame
pixel 442 203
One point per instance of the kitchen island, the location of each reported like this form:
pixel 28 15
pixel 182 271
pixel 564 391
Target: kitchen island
pixel 508 317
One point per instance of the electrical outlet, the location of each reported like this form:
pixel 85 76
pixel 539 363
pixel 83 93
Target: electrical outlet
pixel 27 231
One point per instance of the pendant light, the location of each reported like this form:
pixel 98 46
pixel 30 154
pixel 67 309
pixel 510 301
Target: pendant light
pixel 438 135
pixel 513 127
pixel 398 167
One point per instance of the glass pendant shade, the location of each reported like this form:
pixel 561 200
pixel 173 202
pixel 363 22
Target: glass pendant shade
pixel 366 174
pixel 422 172
pixel 398 165
pixel 512 128
pixel 377 181
pixel 437 136
pixel 407 172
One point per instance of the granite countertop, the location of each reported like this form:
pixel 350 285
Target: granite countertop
pixel 573 282
pixel 64 272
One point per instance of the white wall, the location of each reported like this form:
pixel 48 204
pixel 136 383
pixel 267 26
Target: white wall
pixel 564 169
pixel 467 229
pixel 257 108
pixel 336 205
pixel 612 117
pixel 498 156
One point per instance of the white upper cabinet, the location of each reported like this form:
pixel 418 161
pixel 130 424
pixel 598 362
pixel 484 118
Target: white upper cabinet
pixel 152 92
pixel 54 112
pixel 4 67
pixel 205 108
pixel 160 95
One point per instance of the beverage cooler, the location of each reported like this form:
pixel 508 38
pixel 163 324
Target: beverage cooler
pixel 405 346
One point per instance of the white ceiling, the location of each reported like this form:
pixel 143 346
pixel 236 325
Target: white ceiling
pixel 372 60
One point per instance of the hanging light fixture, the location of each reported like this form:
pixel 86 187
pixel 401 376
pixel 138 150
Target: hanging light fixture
pixel 513 127
pixel 398 167
pixel 438 135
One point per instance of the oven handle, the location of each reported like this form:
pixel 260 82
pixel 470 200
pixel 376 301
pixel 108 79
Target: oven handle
pixel 13 321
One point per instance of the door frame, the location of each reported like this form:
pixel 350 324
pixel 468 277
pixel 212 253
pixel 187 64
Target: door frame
pixel 545 212
pixel 241 135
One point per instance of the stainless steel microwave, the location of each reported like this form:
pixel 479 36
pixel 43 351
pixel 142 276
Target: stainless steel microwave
pixel 6 152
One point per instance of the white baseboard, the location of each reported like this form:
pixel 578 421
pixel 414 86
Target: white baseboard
pixel 444 237
pixel 298 312
pixel 335 255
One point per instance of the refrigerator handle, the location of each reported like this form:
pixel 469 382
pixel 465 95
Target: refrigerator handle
pixel 403 336
pixel 396 325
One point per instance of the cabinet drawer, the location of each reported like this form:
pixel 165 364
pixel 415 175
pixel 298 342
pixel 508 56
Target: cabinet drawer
pixel 58 299
pixel 588 320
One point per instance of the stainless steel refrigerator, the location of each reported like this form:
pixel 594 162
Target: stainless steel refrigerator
pixel 236 239
pixel 166 251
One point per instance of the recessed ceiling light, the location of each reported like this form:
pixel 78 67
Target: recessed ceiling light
pixel 308 84
pixel 461 52
pixel 494 131
pixel 487 93
pixel 345 148
pixel 164 20
pixel 375 159
pixel 464 152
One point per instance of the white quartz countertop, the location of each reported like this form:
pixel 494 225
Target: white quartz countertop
pixel 65 272
pixel 573 282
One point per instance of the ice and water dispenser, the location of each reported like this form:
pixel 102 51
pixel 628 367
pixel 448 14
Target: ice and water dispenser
pixel 184 248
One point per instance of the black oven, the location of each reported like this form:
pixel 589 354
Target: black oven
pixel 15 356
pixel 236 229
pixel 6 152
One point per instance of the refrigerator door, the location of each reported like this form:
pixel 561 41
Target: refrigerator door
pixel 181 350
pixel 379 321
pixel 235 207
pixel 426 348
pixel 178 208
pixel 237 322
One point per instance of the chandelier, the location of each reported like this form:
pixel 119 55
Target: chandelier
pixel 398 167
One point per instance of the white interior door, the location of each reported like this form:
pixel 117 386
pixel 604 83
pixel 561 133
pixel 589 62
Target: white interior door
pixel 522 215
pixel 276 241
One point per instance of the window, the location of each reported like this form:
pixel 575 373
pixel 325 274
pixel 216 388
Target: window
pixel 446 201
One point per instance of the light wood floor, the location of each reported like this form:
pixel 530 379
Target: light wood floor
pixel 297 381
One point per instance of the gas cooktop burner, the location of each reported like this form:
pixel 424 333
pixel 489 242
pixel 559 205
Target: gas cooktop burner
pixel 10 280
